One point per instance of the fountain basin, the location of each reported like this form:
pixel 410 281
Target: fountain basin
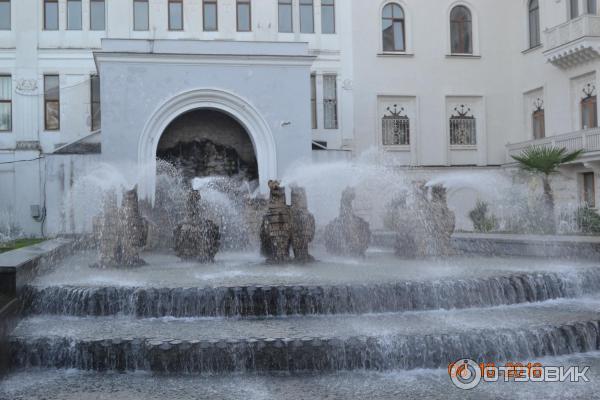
pixel 241 284
pixel 249 269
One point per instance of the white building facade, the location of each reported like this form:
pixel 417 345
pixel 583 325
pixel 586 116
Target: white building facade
pixel 432 84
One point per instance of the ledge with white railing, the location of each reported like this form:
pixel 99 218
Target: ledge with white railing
pixel 574 41
pixel 587 140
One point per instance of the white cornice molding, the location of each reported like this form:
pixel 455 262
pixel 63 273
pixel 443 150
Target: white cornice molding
pixel 195 59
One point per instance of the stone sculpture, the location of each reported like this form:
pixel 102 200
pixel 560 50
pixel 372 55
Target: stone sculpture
pixel 425 228
pixel 401 221
pixel 443 220
pixel 121 232
pixel 275 231
pixel 134 230
pixel 303 225
pixel 196 238
pixel 106 231
pixel 347 234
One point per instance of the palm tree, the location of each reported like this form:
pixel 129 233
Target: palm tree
pixel 546 161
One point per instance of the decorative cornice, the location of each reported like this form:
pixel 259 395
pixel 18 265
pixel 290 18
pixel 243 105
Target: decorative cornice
pixel 26 85
pixel 28 145
pixel 588 90
pixel 395 113
pixel 195 59
pixel 461 112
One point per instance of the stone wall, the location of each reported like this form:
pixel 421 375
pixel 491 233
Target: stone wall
pixel 213 125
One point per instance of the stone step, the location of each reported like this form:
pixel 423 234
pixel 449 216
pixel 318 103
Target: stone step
pixel 54 384
pixel 242 301
pixel 426 339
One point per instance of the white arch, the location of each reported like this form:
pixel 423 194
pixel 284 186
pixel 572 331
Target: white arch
pixel 229 103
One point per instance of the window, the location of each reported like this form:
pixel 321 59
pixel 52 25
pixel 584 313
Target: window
pixel 141 20
pixel 592 6
pixel 244 16
pixel 328 16
pixel 175 15
pixel 330 101
pixel 539 121
pixel 395 127
pixel 5 15
pixel 534 23
pixel 74 15
pixel 589 189
pixel 463 127
pixel 573 8
pixel 461 31
pixel 313 101
pixel 5 103
pixel 51 15
pixel 95 102
pixel 97 15
pixel 51 102
pixel 285 16
pixel 307 18
pixel 210 14
pixel 393 28
pixel 589 112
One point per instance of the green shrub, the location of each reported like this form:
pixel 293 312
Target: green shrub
pixel 588 220
pixel 481 221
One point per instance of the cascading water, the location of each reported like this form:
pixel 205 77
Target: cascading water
pixel 241 301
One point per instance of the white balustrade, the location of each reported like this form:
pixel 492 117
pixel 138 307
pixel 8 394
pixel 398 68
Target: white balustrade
pixel 584 25
pixel 587 140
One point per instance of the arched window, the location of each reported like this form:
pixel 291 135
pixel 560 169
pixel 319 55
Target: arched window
pixel 534 23
pixel 461 31
pixel 393 28
pixel 589 108
pixel 538 120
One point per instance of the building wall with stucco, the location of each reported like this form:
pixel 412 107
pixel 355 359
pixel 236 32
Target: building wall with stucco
pixel 263 79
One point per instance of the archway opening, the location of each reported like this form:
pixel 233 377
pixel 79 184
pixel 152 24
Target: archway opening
pixel 206 142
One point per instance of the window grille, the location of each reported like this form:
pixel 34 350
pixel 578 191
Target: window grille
pixel 463 127
pixel 395 127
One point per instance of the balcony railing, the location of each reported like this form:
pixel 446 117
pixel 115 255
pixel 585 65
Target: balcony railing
pixel 574 41
pixel 587 140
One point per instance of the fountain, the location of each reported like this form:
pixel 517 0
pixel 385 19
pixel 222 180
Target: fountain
pixel 196 238
pixel 348 234
pixel 168 208
pixel 209 313
pixel 401 220
pixel 121 232
pixel 442 220
pixel 425 228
